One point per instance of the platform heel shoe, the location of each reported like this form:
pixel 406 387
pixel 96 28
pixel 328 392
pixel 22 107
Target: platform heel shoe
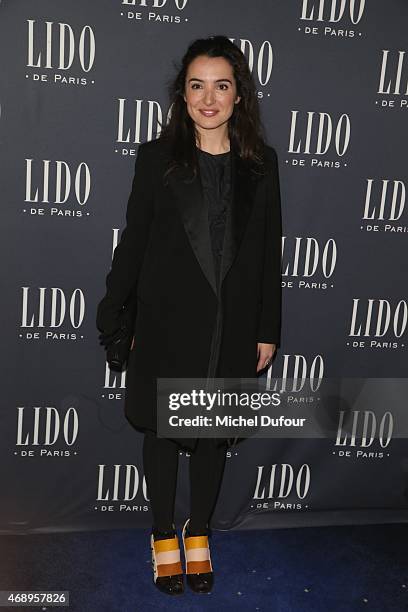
pixel 166 563
pixel 199 570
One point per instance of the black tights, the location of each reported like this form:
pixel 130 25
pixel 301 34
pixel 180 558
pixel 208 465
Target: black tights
pixel 160 462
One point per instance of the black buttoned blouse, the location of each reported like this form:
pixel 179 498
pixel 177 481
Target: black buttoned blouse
pixel 215 174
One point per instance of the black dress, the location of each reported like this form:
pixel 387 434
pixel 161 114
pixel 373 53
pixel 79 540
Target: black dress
pixel 216 180
pixel 215 174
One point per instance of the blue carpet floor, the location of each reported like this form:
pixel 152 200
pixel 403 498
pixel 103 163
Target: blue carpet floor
pixel 323 569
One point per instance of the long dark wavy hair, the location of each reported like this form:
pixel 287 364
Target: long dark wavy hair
pixel 245 129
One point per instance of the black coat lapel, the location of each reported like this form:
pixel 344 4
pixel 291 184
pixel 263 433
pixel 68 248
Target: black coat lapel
pixel 194 214
pixel 243 186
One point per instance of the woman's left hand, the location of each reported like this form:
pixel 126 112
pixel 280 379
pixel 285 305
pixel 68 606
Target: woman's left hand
pixel 265 354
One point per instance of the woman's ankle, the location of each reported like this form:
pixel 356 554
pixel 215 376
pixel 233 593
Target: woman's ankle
pixel 197 530
pixel 163 534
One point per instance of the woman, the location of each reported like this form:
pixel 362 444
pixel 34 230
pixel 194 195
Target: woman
pixel 195 280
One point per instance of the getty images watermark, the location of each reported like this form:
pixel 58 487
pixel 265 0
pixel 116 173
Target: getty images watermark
pixel 282 407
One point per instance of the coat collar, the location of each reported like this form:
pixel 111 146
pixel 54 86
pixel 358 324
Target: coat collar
pixel 194 214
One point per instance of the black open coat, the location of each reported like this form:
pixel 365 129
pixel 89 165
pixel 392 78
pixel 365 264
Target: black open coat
pixel 163 266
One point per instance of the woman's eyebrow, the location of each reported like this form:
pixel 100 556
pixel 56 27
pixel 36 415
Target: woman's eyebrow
pixel 202 80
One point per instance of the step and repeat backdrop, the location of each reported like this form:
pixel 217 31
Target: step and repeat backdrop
pixel 82 85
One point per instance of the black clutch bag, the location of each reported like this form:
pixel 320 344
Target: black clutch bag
pixel 118 343
pixel 117 351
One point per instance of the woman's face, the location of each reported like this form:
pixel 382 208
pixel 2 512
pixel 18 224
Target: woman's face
pixel 210 92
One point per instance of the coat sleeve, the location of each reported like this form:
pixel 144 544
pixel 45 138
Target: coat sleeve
pixel 269 326
pixel 128 255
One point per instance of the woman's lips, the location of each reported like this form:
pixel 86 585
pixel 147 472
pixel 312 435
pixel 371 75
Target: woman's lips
pixel 208 113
